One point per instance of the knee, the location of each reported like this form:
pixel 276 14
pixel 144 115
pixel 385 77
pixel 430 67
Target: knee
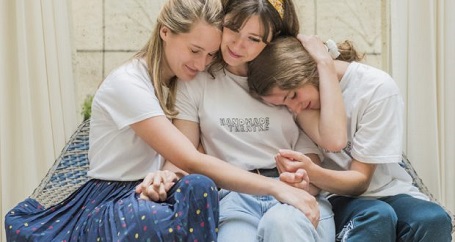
pixel 383 213
pixel 380 216
pixel 433 224
pixel 282 216
pixel 200 184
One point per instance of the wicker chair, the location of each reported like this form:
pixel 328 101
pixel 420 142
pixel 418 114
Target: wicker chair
pixel 69 172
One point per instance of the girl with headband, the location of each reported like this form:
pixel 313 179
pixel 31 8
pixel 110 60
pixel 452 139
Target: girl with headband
pixel 232 125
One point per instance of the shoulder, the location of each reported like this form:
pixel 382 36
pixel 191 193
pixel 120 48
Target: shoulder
pixel 201 81
pixel 375 78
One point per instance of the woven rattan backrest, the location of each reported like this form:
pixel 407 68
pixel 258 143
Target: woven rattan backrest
pixel 69 171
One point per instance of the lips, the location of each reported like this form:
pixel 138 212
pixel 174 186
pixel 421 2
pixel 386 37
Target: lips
pixel 233 54
pixel 191 70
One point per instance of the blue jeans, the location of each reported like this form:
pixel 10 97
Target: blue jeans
pixel 245 217
pixel 395 218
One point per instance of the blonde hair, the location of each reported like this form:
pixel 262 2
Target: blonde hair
pixel 287 65
pixel 179 16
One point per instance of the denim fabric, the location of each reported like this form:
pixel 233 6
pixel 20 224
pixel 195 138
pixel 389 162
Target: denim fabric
pixel 247 218
pixel 394 218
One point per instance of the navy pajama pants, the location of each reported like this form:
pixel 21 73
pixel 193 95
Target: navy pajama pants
pixel 112 211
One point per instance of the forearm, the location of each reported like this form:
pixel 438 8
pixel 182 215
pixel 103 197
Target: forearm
pixel 233 178
pixel 171 167
pixel 350 183
pixel 332 123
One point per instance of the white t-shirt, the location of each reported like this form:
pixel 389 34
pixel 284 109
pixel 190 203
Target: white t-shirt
pixel 125 97
pixel 236 127
pixel 374 110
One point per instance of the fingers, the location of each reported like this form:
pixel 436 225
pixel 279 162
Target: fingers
pixel 146 182
pixel 303 175
pixel 156 185
pixel 315 47
pixel 162 192
pixel 298 179
pixel 290 154
pixel 290 178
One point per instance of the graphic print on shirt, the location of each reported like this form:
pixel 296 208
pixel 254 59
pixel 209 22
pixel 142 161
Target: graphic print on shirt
pixel 260 124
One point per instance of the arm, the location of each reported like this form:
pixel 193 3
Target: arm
pixel 179 172
pixel 167 140
pixel 191 131
pixel 352 182
pixel 327 126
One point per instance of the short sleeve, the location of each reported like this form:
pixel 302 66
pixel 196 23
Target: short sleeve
pixel 186 102
pixel 378 138
pixel 128 98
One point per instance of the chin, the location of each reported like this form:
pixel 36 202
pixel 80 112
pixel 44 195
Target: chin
pixel 187 77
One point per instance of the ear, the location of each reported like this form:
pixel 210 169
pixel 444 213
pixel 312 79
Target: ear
pixel 164 32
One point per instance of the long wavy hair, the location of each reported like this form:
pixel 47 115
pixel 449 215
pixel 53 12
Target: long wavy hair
pixel 179 16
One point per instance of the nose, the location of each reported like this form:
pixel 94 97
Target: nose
pixel 200 63
pixel 293 107
pixel 237 43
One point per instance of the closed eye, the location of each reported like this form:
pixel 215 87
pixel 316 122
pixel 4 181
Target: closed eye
pixel 254 39
pixel 213 54
pixel 293 96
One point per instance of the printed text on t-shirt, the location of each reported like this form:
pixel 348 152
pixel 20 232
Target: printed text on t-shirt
pixel 245 124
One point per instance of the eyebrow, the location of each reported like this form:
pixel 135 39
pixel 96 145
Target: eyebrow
pixel 199 47
pixel 256 35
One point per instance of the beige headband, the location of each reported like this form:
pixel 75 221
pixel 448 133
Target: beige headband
pixel 278 5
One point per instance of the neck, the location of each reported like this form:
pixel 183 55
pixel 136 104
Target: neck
pixel 340 68
pixel 166 75
pixel 241 70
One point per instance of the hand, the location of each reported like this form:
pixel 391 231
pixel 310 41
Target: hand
pixel 155 185
pixel 298 179
pixel 298 198
pixel 315 47
pixel 291 161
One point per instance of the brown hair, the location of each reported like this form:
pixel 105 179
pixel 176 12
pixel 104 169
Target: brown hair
pixel 241 10
pixel 179 16
pixel 287 65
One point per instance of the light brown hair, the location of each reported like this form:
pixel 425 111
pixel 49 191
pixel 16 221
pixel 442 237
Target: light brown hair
pixel 287 65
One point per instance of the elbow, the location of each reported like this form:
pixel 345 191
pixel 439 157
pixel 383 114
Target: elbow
pixel 357 192
pixel 360 189
pixel 335 144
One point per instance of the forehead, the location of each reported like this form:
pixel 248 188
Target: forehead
pixel 204 36
pixel 276 96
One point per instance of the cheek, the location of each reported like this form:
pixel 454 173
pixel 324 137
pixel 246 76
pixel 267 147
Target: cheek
pixel 226 37
pixel 256 51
